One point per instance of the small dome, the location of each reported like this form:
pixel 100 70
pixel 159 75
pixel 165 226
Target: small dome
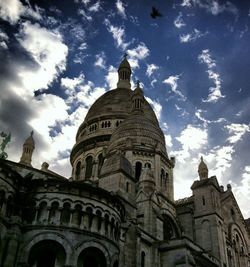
pixel 140 132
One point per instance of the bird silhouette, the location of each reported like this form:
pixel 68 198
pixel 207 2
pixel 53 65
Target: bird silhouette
pixel 155 13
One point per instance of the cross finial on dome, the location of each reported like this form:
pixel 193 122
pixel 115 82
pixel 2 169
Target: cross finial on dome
pixel 125 55
pixel 31 133
pixel 201 158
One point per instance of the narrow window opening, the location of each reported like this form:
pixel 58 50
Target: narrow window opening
pixel 138 167
pixel 203 201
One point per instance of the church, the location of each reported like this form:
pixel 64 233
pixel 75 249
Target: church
pixel 118 208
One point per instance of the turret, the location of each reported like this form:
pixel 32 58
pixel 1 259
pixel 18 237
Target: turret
pixel 203 170
pixel 138 99
pixel 124 73
pixel 28 148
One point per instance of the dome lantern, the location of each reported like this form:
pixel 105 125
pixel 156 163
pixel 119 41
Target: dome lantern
pixel 124 73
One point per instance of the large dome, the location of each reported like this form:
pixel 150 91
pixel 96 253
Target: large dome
pixel 114 104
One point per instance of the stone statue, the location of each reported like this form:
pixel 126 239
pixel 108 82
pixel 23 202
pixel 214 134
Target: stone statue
pixel 5 140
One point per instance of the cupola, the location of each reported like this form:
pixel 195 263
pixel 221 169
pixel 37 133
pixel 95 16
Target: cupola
pixel 28 148
pixel 203 170
pixel 124 73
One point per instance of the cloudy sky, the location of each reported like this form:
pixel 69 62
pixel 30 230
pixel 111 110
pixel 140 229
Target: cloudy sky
pixel 57 57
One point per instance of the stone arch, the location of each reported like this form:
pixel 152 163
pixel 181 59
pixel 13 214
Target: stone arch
pixel 138 170
pixel 66 212
pixel 78 170
pixel 171 228
pixel 49 236
pixel 100 159
pixel 80 247
pixel 47 253
pixel 143 258
pixel 89 166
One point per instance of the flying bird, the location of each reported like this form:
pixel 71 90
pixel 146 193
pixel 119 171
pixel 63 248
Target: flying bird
pixel 155 13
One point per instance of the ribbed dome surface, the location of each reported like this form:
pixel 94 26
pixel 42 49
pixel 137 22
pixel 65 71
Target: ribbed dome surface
pixel 139 131
pixel 116 102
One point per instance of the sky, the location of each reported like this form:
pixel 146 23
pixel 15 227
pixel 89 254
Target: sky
pixel 58 57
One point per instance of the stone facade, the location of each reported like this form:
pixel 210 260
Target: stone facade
pixel 118 208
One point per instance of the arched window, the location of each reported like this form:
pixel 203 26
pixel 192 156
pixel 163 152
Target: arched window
pixel 47 253
pixel 143 255
pixel 53 211
pixel 78 170
pixel 162 177
pixel 65 215
pixel 2 198
pixel 138 167
pixel 89 167
pixel 92 257
pixel 203 201
pixel 169 228
pixel 100 163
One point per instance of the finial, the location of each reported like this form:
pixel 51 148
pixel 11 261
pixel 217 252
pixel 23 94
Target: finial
pixel 31 133
pixel 125 55
pixel 201 158
pixel 138 84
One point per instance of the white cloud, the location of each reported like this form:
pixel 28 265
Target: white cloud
pixel 151 68
pixel 70 84
pixel 214 92
pixel 168 140
pixel 100 60
pixel 3 39
pixel 157 107
pixel 191 37
pixel 95 7
pixel 139 52
pixel 237 131
pixel 118 34
pixel 121 8
pixel 12 10
pixel 51 109
pixel 153 82
pixel 48 51
pixel 193 138
pixel 221 159
pixel 173 82
pixel 84 14
pixel 242 192
pixel 199 115
pixel 83 46
pixel 112 77
pixel 186 3
pixel 179 22
pixel 213 7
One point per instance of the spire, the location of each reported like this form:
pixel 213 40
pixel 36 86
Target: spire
pixel 203 170
pixel 28 148
pixel 138 98
pixel 124 73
